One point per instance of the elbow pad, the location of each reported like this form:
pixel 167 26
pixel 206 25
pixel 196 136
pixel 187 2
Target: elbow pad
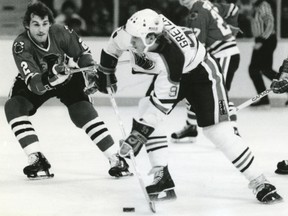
pixel 108 63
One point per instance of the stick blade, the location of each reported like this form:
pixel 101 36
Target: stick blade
pixel 152 206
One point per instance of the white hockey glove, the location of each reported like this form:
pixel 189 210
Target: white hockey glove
pixel 136 139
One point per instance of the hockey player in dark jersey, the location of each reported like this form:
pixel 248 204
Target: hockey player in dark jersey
pixel 41 55
pixel 281 86
pixel 185 70
pixel 216 26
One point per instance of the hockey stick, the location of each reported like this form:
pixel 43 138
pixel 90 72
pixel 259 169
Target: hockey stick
pixel 94 67
pixel 131 153
pixel 253 99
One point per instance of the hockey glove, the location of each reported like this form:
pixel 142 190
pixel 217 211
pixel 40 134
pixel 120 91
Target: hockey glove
pixel 105 81
pixel 235 30
pixel 136 139
pixel 284 68
pixel 142 61
pixel 93 82
pixel 58 76
pixel 281 85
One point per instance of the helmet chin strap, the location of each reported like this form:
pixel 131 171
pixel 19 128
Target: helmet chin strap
pixel 147 46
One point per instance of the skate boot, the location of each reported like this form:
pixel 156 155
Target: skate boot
pixel 265 192
pixel 119 166
pixel 37 165
pixel 187 134
pixel 162 187
pixel 282 167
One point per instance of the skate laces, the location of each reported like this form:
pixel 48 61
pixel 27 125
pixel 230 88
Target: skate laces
pixel 115 161
pixel 158 174
pixel 33 158
pixel 258 184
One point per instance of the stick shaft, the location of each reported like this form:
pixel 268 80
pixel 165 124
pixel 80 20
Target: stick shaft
pixel 94 67
pixel 131 153
pixel 253 99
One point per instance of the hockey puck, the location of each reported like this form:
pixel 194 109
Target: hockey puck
pixel 128 209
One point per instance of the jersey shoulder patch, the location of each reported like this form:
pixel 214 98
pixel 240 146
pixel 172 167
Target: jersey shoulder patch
pixel 18 47
pixel 21 43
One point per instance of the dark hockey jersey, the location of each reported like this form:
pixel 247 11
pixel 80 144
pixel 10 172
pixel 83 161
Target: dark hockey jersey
pixel 28 55
pixel 210 22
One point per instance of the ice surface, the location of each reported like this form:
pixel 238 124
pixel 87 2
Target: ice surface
pixel 206 182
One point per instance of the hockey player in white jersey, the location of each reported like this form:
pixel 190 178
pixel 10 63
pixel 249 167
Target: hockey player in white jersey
pixel 216 26
pixel 185 71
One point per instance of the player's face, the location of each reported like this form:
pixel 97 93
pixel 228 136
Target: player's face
pixel 39 28
pixel 137 44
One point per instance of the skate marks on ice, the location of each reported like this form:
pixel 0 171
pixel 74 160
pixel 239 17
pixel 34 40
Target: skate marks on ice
pixel 206 184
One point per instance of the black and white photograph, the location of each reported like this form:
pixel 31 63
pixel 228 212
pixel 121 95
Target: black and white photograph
pixel 143 107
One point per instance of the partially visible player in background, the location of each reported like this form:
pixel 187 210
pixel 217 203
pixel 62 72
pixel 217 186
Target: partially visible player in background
pixel 281 86
pixel 216 26
pixel 263 30
pixel 41 54
pixel 185 70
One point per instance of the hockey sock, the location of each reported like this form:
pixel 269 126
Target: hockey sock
pixel 191 116
pixel 23 131
pixel 85 116
pixel 99 134
pixel 157 149
pixel 233 147
pixel 32 148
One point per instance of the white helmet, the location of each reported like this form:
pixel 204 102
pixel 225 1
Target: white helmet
pixel 144 22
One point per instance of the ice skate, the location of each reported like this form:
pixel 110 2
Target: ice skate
pixel 119 166
pixel 265 192
pixel 38 167
pixel 187 134
pixel 282 167
pixel 162 187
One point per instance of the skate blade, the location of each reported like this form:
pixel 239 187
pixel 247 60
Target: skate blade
pixel 276 198
pixel 184 140
pixel 281 172
pixel 152 206
pixel 123 175
pixel 166 195
pixel 41 175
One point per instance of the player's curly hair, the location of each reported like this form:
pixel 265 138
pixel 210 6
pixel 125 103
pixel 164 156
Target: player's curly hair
pixel 39 9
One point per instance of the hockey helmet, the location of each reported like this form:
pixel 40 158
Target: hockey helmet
pixel 143 23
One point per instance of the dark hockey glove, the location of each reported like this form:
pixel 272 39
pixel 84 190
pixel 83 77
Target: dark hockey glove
pixel 107 81
pixel 93 81
pixel 279 86
pixel 235 30
pixel 142 61
pixel 136 139
pixel 57 76
pixel 284 68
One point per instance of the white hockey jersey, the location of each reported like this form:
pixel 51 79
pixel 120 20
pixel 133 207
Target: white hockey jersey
pixel 178 52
